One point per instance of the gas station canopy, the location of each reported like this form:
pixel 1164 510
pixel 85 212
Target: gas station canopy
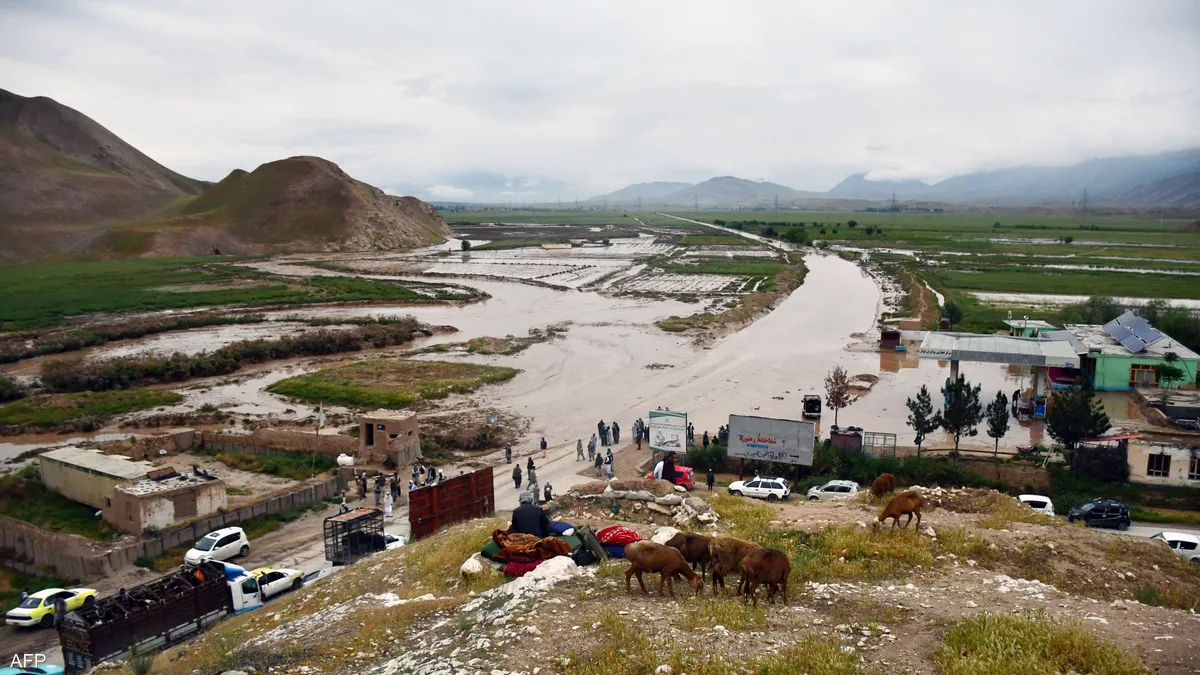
pixel 999 349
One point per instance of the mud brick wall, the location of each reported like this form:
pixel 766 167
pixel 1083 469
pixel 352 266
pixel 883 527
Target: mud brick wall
pixel 29 549
pixel 278 441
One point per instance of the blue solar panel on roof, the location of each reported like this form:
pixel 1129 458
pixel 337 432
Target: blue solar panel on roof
pixel 1117 331
pixel 1133 343
pixel 1146 333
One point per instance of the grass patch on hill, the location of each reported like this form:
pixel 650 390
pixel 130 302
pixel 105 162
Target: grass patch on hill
pixel 84 408
pixel 627 650
pixel 996 643
pixel 390 383
pixel 42 295
pixel 24 497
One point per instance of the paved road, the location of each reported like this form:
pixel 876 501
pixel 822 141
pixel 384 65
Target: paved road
pixel 1151 529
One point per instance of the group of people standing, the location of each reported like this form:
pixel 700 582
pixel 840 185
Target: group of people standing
pixel 387 490
pixel 531 471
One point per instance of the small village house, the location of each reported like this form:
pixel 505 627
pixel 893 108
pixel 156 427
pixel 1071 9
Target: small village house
pixel 89 476
pixel 389 435
pixel 1164 464
pixel 161 502
pixel 1127 351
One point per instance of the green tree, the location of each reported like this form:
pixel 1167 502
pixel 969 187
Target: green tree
pixel 963 411
pixel 952 312
pixel 1169 371
pixel 921 417
pixel 852 223
pixel 466 245
pixel 1076 414
pixel 997 419
pixel 837 391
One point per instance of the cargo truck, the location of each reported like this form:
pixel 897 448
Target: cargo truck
pixel 156 614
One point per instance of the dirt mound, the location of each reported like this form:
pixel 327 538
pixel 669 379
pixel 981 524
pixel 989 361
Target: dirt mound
pixel 655 486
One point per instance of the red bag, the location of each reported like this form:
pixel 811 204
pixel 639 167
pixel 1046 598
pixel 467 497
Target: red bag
pixel 520 569
pixel 618 536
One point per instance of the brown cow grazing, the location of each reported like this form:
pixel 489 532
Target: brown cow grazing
pixel 694 548
pixel 905 503
pixel 647 556
pixel 765 566
pixel 726 554
pixel 883 485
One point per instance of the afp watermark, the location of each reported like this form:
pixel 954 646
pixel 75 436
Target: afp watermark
pixel 27 661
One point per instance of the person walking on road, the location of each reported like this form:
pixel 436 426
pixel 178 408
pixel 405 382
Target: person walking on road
pixel 517 476
pixel 599 461
pixel 543 443
pixel 592 448
pixel 710 478
pixel 578 449
pixel 508 454
pixel 616 433
pixel 529 465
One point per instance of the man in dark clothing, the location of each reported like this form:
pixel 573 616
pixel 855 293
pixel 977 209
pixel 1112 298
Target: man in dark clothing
pixel 529 464
pixel 668 470
pixel 378 489
pixel 543 443
pixel 517 476
pixel 549 492
pixel 508 454
pixel 705 440
pixel 616 433
pixel 600 430
pixel 599 462
pixel 710 478
pixel 528 518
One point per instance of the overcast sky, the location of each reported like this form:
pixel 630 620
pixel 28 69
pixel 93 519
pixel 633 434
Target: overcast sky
pixel 561 99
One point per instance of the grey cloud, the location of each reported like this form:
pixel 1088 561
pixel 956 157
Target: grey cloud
pixel 584 98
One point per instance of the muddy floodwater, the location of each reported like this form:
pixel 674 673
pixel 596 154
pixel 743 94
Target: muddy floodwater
pixel 615 363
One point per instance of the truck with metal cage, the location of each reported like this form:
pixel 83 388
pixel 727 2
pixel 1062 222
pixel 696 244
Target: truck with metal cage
pixel 156 614
pixel 353 534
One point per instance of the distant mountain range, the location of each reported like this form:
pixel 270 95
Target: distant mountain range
pixel 1165 180
pixel 69 188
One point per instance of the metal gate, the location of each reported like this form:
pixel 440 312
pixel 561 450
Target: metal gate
pixel 456 499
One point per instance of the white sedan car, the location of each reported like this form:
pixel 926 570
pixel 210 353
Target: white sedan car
pixel 1038 503
pixel 1186 545
pixel 834 489
pixel 392 542
pixel 272 582
pixel 770 489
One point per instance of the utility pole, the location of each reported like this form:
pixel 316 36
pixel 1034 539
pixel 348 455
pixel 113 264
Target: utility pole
pixel 1083 208
pixel 606 203
pixel 696 201
pixel 776 204
pixel 639 204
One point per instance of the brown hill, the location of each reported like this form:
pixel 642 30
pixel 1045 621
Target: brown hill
pixel 69 187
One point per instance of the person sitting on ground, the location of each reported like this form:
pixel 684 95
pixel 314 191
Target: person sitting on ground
pixel 529 518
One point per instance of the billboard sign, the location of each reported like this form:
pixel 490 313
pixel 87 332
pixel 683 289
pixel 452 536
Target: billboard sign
pixel 771 440
pixel 668 431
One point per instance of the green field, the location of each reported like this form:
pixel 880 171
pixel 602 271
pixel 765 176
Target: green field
pixel 48 410
pixel 390 383
pixel 46 294
pixel 23 496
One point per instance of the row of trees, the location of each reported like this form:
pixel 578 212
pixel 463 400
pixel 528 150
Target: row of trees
pixel 1075 415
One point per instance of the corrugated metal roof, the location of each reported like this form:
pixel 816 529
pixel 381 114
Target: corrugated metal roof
pixel 999 349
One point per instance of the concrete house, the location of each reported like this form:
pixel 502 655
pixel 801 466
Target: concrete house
pixel 88 476
pixel 389 434
pixel 1164 465
pixel 160 503
pixel 1125 353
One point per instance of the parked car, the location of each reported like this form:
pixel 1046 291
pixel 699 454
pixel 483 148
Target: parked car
pixel 1186 545
pixel 222 545
pixel 393 541
pixel 770 489
pixel 272 582
pixel 38 608
pixel 684 476
pixel 321 573
pixel 834 489
pixel 1038 503
pixel 32 670
pixel 1102 513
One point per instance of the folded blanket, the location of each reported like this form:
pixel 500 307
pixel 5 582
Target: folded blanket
pixel 527 547
pixel 559 527
pixel 618 535
pixel 614 550
pixel 518 569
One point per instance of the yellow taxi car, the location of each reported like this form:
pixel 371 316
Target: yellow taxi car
pixel 38 608
pixel 272 582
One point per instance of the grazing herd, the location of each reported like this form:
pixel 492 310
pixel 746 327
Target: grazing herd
pixel 722 555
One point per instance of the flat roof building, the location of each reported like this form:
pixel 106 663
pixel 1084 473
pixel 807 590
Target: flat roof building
pixel 1127 351
pixel 160 503
pixel 88 476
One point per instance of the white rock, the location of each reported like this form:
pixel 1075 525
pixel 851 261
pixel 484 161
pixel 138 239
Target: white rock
pixel 669 500
pixel 664 669
pixel 475 565
pixel 929 532
pixel 664 534
pixel 680 488
pixel 707 517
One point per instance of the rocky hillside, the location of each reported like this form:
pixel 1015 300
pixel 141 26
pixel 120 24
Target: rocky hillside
pixel 71 188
